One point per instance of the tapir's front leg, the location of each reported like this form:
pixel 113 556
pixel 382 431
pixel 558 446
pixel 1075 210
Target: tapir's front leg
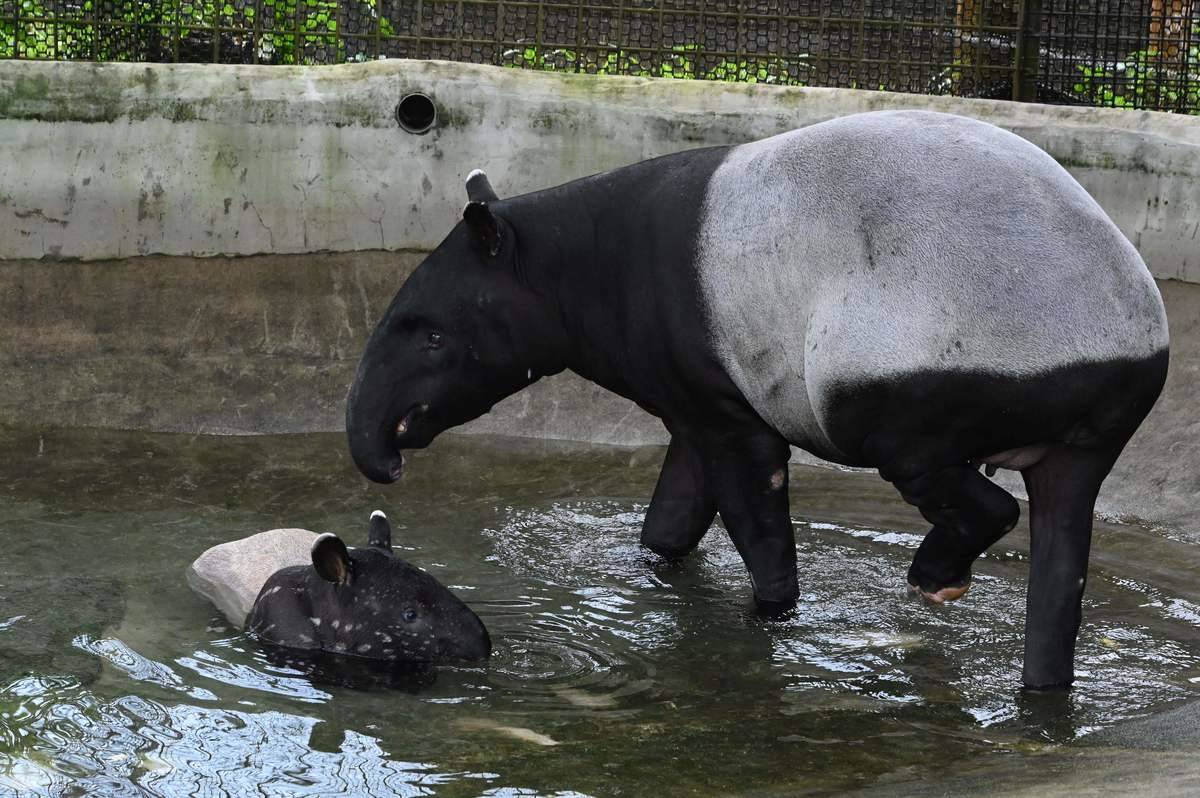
pixel 749 474
pixel 684 504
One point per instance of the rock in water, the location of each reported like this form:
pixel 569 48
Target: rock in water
pixel 230 575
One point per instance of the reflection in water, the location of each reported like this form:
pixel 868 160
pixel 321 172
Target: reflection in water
pixel 106 748
pixel 339 670
pixel 612 669
pixel 281 680
pixel 121 656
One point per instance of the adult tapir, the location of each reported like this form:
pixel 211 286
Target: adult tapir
pixel 916 292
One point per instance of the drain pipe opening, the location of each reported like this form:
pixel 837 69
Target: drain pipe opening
pixel 416 113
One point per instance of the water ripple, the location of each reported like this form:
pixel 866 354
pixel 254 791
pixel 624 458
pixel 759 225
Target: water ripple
pixel 136 746
pixel 122 657
pixel 268 679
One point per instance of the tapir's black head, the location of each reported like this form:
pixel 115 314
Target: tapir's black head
pixel 465 331
pixel 378 606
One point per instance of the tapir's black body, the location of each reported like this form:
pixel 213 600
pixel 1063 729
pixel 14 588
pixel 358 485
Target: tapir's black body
pixel 913 292
pixel 366 603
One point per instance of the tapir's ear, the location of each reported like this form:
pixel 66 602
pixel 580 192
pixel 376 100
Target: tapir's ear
pixel 479 189
pixel 484 225
pixel 330 558
pixel 379 533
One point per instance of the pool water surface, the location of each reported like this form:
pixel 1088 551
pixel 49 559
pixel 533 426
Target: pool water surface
pixel 613 672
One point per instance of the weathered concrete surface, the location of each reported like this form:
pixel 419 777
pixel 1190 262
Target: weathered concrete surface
pixel 216 345
pixel 249 345
pixel 1152 756
pixel 1177 729
pixel 231 574
pixel 1057 773
pixel 107 161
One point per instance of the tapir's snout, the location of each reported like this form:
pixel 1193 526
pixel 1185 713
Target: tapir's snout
pixel 464 638
pixel 372 439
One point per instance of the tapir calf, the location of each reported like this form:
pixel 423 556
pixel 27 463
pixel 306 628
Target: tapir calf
pixel 916 292
pixel 366 603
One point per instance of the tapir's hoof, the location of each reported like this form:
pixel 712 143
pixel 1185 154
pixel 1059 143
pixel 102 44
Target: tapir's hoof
pixel 942 595
pixel 769 608
pixel 672 554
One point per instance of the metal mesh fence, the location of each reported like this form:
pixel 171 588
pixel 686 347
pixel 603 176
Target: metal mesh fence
pixel 1132 53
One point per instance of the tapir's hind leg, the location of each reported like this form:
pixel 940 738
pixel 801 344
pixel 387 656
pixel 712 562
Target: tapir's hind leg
pixel 749 474
pixel 1062 490
pixel 683 506
pixel 969 513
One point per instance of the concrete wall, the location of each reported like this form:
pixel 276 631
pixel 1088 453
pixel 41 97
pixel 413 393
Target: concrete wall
pixel 137 204
pixel 109 161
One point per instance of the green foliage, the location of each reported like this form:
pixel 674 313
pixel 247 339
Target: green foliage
pixel 1144 80
pixel 680 64
pixel 146 30
pixel 309 31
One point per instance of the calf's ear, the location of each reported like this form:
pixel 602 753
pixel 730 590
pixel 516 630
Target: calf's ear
pixel 479 189
pixel 330 558
pixel 379 533
pixel 484 226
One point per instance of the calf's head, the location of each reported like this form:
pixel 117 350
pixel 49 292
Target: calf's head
pixel 368 603
pixel 465 330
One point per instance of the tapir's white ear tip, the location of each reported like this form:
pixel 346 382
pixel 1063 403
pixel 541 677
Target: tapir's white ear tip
pixel 478 187
pixel 378 514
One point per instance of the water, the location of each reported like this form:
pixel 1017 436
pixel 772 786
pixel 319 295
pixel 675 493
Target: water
pixel 613 672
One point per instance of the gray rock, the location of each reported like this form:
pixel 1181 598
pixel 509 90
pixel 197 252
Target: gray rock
pixel 231 574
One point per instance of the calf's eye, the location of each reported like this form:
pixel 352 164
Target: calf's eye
pixel 435 339
pixel 409 615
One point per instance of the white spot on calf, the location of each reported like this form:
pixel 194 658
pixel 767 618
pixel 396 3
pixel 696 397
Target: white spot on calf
pixel 315 621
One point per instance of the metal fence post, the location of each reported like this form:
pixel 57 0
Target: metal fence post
pixel 1026 57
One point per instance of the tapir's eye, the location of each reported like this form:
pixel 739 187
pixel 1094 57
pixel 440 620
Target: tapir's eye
pixel 410 615
pixel 435 339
